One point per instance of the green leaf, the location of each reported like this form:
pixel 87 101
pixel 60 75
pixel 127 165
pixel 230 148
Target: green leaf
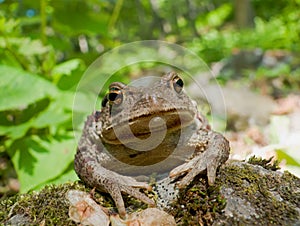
pixel 94 22
pixel 67 67
pixel 215 17
pixel 282 155
pixel 18 88
pixel 37 161
pixel 15 132
pixel 32 47
pixel 67 176
pixel 58 112
pixel 53 116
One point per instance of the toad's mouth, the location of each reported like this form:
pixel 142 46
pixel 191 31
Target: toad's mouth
pixel 143 126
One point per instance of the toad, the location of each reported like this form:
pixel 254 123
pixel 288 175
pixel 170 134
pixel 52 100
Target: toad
pixel 145 129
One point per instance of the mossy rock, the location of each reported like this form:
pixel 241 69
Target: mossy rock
pixel 244 194
pixel 256 195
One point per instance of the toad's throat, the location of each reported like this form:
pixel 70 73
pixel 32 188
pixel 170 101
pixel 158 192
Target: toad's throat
pixel 143 127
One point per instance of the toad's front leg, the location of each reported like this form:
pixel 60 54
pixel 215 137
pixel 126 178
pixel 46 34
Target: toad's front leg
pixel 215 154
pixel 89 169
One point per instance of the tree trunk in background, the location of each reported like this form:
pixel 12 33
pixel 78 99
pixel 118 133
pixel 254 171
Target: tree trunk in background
pixel 244 14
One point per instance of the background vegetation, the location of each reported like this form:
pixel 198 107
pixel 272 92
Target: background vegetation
pixel 45 47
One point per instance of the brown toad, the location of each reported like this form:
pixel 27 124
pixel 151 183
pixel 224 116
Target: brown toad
pixel 141 130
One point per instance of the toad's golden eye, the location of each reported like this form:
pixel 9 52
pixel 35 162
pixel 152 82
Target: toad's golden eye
pixel 177 84
pixel 115 97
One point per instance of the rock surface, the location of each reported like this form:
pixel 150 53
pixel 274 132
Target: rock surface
pixel 244 194
pixel 256 195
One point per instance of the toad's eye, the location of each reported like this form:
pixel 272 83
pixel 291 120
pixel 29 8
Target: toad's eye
pixel 177 83
pixel 115 94
pixel 115 97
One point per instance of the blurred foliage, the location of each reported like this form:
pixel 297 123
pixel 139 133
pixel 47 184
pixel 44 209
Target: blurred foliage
pixel 45 47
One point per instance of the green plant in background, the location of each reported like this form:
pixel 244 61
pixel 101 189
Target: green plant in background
pixel 280 32
pixel 36 128
pixel 36 104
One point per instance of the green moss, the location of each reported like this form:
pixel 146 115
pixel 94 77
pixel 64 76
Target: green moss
pixel 292 184
pixel 48 205
pixel 51 207
pixel 198 204
pixel 271 194
pixel 266 163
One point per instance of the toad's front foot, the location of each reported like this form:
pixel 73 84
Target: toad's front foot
pixel 105 180
pixel 122 184
pixel 216 154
